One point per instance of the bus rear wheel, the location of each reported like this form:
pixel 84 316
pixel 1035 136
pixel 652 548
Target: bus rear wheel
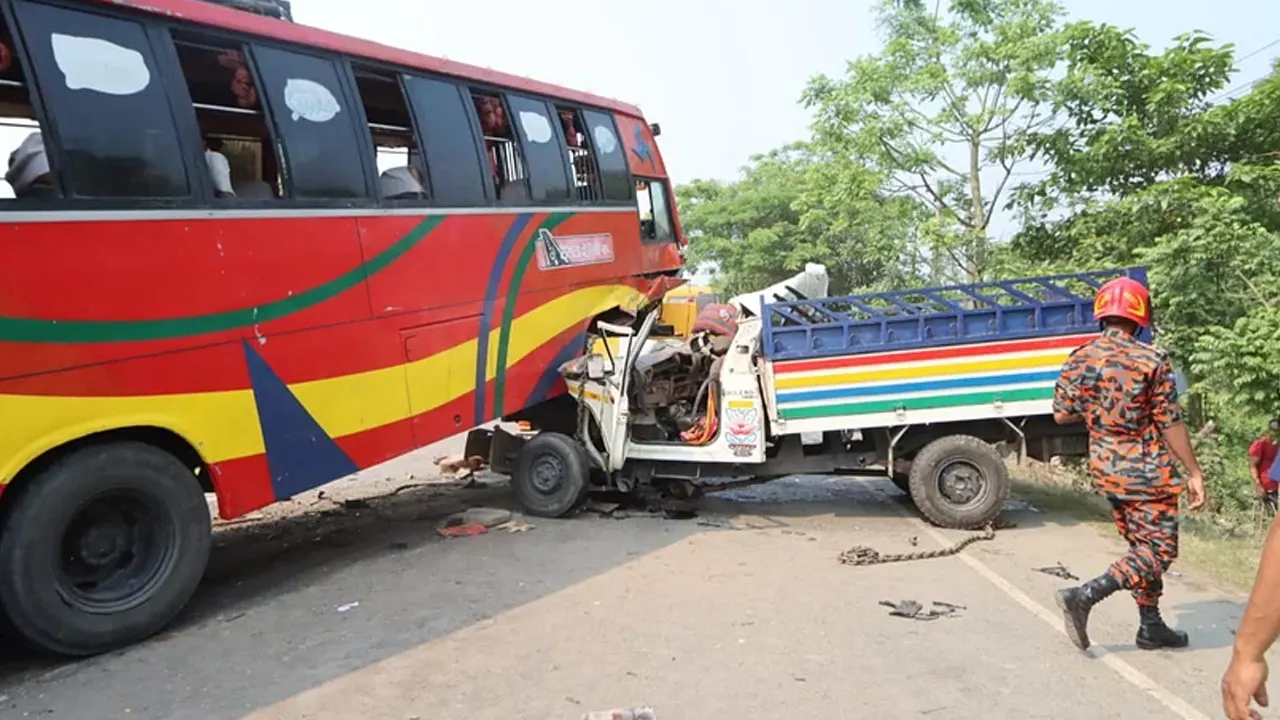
pixel 102 549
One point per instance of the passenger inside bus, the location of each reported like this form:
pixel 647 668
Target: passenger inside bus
pixel 219 168
pixel 28 172
pixel 238 147
pixel 499 143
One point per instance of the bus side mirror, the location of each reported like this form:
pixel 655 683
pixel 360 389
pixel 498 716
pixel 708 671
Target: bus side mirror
pixel 655 128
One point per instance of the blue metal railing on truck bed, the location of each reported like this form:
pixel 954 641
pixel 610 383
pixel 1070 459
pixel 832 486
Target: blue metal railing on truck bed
pixel 929 317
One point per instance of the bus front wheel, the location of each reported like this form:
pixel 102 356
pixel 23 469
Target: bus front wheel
pixel 102 549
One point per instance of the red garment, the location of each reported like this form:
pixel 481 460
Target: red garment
pixel 1265 449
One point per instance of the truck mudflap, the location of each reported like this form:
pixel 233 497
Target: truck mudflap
pixel 498 445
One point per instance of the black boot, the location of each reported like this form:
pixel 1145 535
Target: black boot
pixel 1153 634
pixel 1076 602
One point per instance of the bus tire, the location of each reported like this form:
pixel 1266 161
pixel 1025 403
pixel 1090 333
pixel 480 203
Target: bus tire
pixel 959 482
pixel 552 475
pixel 103 549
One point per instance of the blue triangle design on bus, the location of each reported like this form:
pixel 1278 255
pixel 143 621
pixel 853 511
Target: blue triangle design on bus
pixel 300 454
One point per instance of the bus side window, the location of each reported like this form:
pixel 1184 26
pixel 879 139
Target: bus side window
pixel 447 137
pixel 401 174
pixel 655 212
pixel 548 171
pixel 27 172
pixel 239 151
pixel 507 167
pixel 586 182
pixel 110 110
pixel 305 100
pixel 610 157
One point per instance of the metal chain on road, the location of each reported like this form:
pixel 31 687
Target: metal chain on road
pixel 863 555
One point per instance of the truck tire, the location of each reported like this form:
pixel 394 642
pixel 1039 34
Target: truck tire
pixel 959 482
pixel 552 475
pixel 103 549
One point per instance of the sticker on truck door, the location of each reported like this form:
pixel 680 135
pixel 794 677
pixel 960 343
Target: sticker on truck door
pixel 741 427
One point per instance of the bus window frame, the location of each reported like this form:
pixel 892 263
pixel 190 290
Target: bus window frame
pixel 630 202
pixel 597 183
pixel 668 196
pixel 348 97
pixel 186 106
pixel 466 96
pixel 157 43
pixel 557 137
pixel 371 157
pixel 43 119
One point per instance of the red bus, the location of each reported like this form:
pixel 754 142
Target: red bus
pixel 244 257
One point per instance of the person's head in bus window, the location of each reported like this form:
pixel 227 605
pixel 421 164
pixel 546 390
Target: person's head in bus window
pixel 29 168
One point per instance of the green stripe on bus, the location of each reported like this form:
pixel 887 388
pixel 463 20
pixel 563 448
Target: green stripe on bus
pixel 931 402
pixel 527 255
pixel 15 329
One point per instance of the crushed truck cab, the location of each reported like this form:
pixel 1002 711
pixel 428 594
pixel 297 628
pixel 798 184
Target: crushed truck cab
pixel 932 388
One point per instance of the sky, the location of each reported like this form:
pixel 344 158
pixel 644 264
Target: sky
pixel 722 78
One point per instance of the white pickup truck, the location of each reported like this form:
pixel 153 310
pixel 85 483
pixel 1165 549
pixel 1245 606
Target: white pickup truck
pixel 932 388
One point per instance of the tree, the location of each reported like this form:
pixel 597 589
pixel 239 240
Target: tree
pixel 976 81
pixel 794 206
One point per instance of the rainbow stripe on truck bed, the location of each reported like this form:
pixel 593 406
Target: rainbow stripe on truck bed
pixel 943 354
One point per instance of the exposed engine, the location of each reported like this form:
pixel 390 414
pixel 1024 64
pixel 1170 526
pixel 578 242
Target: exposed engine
pixel 673 391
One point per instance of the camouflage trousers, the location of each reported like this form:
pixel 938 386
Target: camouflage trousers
pixel 1151 528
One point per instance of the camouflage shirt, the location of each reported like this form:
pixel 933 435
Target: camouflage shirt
pixel 1124 391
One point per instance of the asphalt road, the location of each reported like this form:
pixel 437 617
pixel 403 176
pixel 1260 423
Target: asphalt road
pixel 743 611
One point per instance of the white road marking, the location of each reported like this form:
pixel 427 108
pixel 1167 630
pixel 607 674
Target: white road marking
pixel 1135 677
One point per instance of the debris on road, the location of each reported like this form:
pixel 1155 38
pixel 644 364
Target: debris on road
pixel 1058 570
pixel 458 466
pixel 462 530
pixel 348 607
pixel 476 521
pixel 514 526
pixel 399 545
pixel 912 610
pixel 913 541
pixel 602 508
pixel 645 713
pixel 486 516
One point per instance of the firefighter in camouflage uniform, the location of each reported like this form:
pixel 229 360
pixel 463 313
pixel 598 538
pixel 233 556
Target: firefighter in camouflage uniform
pixel 1124 392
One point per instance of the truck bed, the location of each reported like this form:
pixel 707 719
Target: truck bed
pixel 945 354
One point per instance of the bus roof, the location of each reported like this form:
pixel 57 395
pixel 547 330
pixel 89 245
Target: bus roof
pixel 209 13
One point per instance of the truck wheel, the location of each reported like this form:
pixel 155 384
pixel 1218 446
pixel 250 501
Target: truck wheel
pixel 552 475
pixel 959 482
pixel 103 549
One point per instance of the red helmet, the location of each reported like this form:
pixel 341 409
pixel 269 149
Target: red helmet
pixel 1125 298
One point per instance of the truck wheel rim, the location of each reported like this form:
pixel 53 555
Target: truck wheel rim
pixel 116 550
pixel 547 473
pixel 961 483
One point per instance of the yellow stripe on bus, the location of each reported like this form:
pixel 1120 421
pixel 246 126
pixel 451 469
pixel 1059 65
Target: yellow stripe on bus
pixel 224 425
pixel 787 382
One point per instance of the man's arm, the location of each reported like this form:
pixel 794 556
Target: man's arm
pixel 1167 414
pixel 1261 622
